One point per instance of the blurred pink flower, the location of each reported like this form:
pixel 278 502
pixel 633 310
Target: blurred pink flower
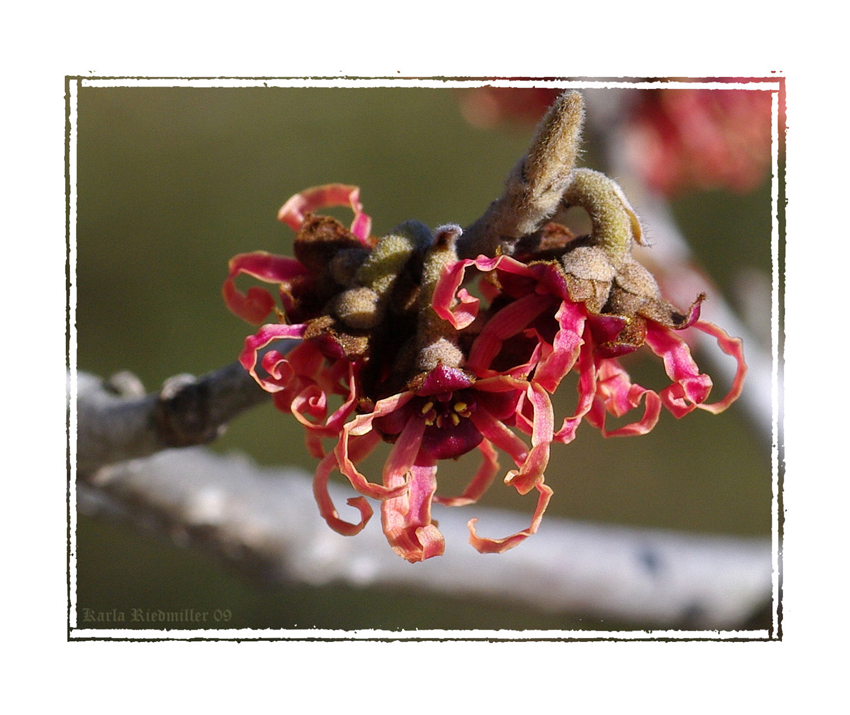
pixel 697 139
pixel 677 140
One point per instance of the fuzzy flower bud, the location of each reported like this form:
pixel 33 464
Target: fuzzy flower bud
pixel 534 187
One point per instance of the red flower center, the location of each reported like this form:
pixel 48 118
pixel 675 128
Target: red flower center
pixel 446 410
pixel 449 432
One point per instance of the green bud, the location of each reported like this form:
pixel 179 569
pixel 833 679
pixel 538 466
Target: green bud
pixel 358 308
pixel 614 222
pixel 389 257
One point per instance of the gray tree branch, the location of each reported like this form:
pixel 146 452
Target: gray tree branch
pixel 264 523
pixel 117 421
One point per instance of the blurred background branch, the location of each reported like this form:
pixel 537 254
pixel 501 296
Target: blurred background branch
pixel 262 523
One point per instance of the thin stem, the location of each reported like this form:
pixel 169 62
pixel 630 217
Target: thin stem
pixel 534 187
pixel 437 338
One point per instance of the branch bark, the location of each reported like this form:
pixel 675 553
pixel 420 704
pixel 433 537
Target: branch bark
pixel 117 421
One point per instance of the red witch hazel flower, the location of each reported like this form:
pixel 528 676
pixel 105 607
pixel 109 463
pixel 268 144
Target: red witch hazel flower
pixel 388 345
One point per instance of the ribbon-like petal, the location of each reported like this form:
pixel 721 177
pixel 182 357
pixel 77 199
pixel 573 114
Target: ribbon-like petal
pixel 534 465
pixel 325 503
pixel 293 212
pixel 406 518
pixel 690 387
pixel 264 336
pixel 498 546
pixel 480 482
pixel 359 426
pixel 733 347
pixel 565 347
pixel 255 305
pixel 617 395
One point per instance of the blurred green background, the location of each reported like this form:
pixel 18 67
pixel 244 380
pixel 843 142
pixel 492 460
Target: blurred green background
pixel 172 182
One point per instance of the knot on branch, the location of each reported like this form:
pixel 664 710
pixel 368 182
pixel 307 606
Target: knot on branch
pixel 182 412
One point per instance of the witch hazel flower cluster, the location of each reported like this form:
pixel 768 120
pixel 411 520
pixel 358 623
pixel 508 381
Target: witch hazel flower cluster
pixel 453 340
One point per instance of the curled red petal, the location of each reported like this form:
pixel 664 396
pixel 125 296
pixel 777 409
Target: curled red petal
pixel 447 288
pixel 314 445
pixel 500 435
pixel 362 426
pixel 326 506
pixel 404 452
pixel 505 263
pixel 264 336
pixel 651 413
pixel 615 394
pixel 310 407
pixel 480 482
pixel 690 387
pixel 586 392
pixel 407 519
pixel 531 471
pixel 252 306
pixel 293 212
pixel 733 347
pixel 303 380
pixel 266 267
pixel 278 366
pixel 501 383
pixel 498 546
pixel 507 322
pixel 255 305
pixel 565 347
